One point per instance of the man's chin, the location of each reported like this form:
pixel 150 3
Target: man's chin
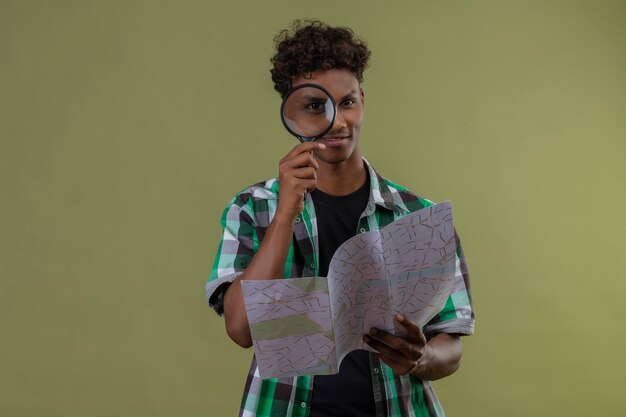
pixel 337 156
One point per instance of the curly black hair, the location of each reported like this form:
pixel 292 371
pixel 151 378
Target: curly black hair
pixel 312 45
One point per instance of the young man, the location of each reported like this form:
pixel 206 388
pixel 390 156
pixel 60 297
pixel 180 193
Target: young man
pixel 291 225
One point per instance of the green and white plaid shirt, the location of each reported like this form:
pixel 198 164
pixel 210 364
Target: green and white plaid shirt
pixel 245 222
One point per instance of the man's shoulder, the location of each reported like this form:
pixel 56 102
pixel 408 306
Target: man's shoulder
pixel 403 196
pixel 262 190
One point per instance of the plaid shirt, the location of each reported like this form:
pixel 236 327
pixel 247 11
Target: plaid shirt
pixel 245 222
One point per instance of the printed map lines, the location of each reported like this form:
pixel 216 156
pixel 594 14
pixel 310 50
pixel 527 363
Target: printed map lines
pixel 305 326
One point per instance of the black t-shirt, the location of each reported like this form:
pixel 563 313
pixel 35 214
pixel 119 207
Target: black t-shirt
pixel 349 392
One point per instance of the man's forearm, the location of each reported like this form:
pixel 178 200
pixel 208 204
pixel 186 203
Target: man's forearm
pixel 268 263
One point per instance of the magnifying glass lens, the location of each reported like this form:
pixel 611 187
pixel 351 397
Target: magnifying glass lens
pixel 308 112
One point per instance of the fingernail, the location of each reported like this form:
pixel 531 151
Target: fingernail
pixel 400 317
pixel 322 146
pixel 366 339
pixel 373 332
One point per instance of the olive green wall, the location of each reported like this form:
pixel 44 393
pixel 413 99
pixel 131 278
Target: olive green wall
pixel 126 126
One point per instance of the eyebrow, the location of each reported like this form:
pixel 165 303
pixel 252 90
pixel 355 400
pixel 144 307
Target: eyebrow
pixel 351 93
pixel 319 97
pixel 323 96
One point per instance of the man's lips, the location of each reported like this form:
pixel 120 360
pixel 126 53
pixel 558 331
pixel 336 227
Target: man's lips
pixel 334 140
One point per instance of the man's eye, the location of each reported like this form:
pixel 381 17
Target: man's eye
pixel 349 102
pixel 314 107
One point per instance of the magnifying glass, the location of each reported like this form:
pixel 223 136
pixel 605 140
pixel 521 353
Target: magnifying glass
pixel 308 112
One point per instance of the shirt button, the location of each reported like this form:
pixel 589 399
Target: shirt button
pixel 297 219
pixel 362 230
pixel 303 404
pixel 376 370
pixel 312 266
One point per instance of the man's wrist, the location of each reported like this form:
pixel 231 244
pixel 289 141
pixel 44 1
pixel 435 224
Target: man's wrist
pixel 285 218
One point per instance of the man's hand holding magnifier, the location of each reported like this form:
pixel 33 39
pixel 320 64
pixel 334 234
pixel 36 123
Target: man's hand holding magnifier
pixel 297 175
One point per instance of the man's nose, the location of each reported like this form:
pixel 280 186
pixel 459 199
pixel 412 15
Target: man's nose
pixel 339 122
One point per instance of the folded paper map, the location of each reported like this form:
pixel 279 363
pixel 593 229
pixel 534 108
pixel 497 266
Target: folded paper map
pixel 305 326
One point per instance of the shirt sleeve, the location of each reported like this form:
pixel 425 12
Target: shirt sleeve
pixel 234 254
pixel 457 315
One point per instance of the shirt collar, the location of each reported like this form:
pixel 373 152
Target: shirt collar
pixel 381 194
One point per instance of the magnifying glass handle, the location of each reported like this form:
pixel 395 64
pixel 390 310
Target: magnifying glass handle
pixel 303 139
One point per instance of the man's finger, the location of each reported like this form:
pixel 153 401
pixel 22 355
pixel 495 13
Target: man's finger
pixel 391 346
pixel 305 173
pixel 395 342
pixel 304 147
pixel 380 347
pixel 398 361
pixel 301 185
pixel 301 160
pixel 415 334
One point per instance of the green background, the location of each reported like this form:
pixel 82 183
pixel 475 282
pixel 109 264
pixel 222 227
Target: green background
pixel 126 126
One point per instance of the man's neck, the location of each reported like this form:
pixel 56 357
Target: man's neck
pixel 341 179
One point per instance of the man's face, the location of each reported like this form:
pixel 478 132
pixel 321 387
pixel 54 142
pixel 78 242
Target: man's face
pixel 342 141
